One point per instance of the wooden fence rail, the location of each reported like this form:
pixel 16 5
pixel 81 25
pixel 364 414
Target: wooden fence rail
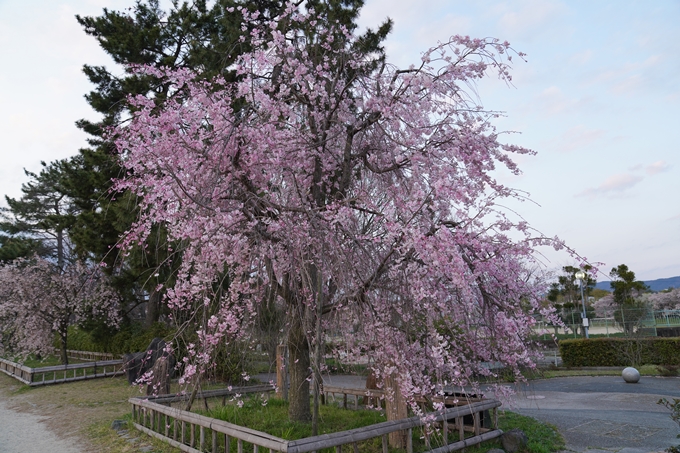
pixel 61 373
pixel 195 433
pixel 87 355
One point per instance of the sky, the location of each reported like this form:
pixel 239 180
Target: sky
pixel 598 98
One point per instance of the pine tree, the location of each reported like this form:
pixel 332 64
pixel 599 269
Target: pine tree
pixel 39 221
pixel 205 39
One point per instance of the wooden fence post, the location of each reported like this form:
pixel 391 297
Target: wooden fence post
pixel 281 372
pixel 395 409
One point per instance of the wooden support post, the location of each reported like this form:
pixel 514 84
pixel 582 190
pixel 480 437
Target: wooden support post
pixel 227 443
pixel 355 447
pixel 338 449
pixel 409 441
pixel 445 428
pixel 395 409
pixel 174 429
pixel 239 446
pixel 344 400
pixel 281 372
pixel 192 435
pixel 461 428
pixel 385 443
pixel 214 441
pixel 475 416
pixel 202 439
pixel 184 425
pixel 167 425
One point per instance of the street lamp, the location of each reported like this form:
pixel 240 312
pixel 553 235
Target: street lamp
pixel 581 276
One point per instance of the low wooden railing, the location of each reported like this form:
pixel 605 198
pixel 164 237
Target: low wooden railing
pixel 88 355
pixel 61 373
pixel 195 433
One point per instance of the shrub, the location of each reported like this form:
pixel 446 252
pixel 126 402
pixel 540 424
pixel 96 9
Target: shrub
pixel 617 351
pixel 130 338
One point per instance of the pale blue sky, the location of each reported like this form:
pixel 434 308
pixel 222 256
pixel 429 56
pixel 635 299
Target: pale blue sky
pixel 598 99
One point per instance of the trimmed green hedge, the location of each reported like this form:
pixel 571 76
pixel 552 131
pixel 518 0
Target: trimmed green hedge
pixel 131 338
pixel 620 351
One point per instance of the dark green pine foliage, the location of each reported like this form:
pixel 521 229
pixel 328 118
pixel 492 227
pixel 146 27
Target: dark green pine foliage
pixel 626 290
pixel 196 35
pixel 205 39
pixel 624 285
pixel 566 296
pixel 39 221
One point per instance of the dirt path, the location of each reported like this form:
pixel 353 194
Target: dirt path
pixel 25 428
pixel 23 432
pixel 62 418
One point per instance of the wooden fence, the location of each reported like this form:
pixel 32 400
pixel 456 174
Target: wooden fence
pixel 87 355
pixel 195 433
pixel 61 373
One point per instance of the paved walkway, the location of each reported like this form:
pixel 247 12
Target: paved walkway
pixel 603 413
pixel 595 414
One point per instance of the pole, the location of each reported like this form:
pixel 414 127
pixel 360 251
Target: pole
pixel 585 315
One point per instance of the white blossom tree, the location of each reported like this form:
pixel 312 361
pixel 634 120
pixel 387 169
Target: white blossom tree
pixel 39 299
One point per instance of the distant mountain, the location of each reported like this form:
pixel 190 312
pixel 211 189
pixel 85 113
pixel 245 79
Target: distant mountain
pixel 655 285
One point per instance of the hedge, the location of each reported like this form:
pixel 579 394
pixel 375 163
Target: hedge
pixel 131 338
pixel 620 351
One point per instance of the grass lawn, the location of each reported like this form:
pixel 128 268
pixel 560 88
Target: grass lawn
pixel 33 362
pixel 270 416
pixel 645 370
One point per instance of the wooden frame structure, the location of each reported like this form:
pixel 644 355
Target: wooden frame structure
pixel 193 433
pixel 61 373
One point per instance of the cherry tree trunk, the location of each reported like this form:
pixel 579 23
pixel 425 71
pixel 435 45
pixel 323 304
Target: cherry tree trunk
pixel 395 409
pixel 298 368
pixel 63 344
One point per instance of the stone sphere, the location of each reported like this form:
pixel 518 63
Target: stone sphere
pixel 630 375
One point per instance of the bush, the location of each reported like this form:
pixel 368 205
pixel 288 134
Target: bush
pixel 617 351
pixel 130 338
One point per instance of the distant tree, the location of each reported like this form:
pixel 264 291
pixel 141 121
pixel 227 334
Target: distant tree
pixel 565 295
pixel 39 221
pixel 664 300
pixel 39 300
pixel 631 309
pixel 14 246
pixel 624 286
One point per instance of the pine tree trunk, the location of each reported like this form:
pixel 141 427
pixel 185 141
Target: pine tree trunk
pixel 63 340
pixel 298 351
pixel 152 308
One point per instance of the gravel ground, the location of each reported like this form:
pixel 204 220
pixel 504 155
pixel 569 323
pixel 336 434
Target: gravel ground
pixel 21 432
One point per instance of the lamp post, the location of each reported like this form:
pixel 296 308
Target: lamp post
pixel 581 276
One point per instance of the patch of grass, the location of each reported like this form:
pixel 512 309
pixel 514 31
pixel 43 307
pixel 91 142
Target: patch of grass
pixel 337 367
pixel 109 440
pixel 271 416
pixel 645 370
pixel 34 362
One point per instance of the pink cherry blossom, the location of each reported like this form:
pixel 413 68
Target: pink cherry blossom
pixel 332 177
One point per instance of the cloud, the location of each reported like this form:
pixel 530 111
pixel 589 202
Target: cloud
pixel 657 167
pixel 575 138
pixel 553 101
pixel 582 58
pixel 614 185
pixel 528 18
